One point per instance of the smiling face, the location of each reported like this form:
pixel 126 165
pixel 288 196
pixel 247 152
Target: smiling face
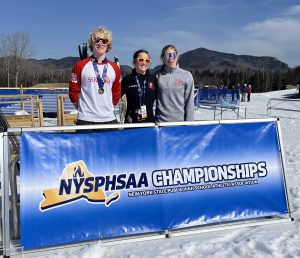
pixel 170 57
pixel 141 63
pixel 100 42
pixel 99 45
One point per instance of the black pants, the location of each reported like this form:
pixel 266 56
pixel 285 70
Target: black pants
pixel 82 122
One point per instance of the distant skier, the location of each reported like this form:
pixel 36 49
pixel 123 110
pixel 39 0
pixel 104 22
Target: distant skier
pixel 243 92
pixel 249 91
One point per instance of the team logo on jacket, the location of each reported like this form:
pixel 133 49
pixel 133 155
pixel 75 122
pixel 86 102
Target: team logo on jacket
pixel 178 83
pixel 73 78
pixel 94 79
pixel 151 85
pixel 106 80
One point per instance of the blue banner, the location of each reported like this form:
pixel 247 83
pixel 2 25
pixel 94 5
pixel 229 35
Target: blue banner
pixel 88 186
pixel 207 96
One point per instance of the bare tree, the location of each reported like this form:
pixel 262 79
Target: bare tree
pixel 16 48
pixel 4 53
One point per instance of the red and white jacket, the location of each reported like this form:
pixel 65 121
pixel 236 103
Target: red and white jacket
pixel 83 89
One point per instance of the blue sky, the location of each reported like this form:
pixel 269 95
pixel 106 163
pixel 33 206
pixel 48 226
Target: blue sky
pixel 257 27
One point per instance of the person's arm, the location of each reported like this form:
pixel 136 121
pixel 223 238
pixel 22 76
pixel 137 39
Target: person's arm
pixel 189 98
pixel 116 87
pixel 75 85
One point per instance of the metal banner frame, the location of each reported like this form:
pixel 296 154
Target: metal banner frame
pixel 5 166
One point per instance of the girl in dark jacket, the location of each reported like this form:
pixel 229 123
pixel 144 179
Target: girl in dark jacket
pixel 140 90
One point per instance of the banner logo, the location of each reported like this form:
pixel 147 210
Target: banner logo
pixel 76 182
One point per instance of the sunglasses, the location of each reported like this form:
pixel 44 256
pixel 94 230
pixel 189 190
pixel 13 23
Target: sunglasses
pixel 142 60
pixel 103 41
pixel 170 55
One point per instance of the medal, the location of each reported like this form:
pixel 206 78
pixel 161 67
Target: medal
pixel 100 80
pixel 101 90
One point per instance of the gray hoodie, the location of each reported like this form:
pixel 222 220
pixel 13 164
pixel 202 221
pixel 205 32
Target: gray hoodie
pixel 175 95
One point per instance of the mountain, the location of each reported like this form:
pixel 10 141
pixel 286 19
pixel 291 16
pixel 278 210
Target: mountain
pixel 63 64
pixel 45 66
pixel 202 59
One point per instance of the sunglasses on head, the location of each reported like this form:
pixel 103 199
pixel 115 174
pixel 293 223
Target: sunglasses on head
pixel 170 55
pixel 103 41
pixel 142 60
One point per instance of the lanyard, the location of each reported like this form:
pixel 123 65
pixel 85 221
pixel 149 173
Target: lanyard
pixel 100 79
pixel 141 90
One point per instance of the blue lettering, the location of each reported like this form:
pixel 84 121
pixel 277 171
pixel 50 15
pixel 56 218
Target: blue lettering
pixel 110 183
pixel 65 186
pixel 78 184
pixel 131 182
pixel 121 181
pixel 88 184
pixel 143 182
pixel 99 181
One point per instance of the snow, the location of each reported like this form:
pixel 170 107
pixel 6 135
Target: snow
pixel 272 240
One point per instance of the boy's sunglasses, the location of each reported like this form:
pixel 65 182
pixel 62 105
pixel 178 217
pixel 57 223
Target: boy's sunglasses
pixel 103 41
pixel 170 55
pixel 142 60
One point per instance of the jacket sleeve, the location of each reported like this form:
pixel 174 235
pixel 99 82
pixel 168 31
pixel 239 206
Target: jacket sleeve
pixel 75 83
pixel 116 87
pixel 189 98
pixel 123 86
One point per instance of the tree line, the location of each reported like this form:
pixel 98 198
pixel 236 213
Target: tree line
pixel 260 80
pixel 16 49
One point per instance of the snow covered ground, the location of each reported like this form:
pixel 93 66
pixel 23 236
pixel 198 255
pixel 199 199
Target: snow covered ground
pixel 274 240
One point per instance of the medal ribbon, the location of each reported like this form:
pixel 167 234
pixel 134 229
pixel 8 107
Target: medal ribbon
pixel 141 90
pixel 99 79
